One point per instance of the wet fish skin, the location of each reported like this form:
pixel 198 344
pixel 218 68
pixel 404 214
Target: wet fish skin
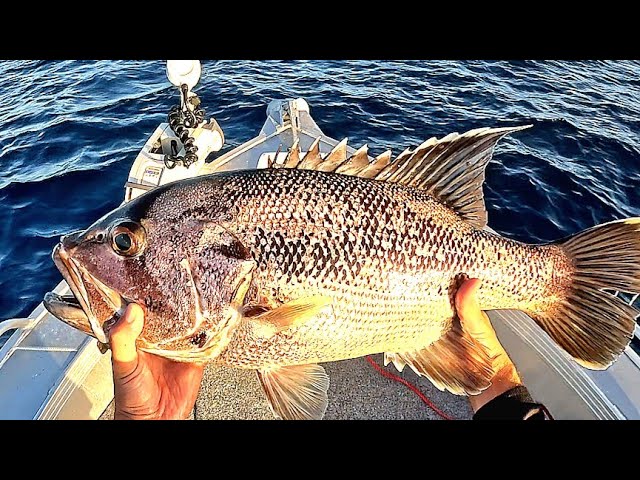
pixel 387 255
pixel 160 278
pixel 279 269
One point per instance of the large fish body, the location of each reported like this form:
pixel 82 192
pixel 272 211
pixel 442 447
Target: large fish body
pixel 280 269
pixel 387 256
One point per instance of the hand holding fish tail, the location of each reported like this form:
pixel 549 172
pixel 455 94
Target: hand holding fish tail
pixel 149 387
pixel 476 323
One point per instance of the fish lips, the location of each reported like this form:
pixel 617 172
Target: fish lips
pixel 78 311
pixel 68 309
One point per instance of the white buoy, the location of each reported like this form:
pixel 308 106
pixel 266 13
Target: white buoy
pixel 181 72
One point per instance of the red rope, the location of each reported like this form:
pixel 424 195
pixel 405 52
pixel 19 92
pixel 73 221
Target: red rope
pixel 410 386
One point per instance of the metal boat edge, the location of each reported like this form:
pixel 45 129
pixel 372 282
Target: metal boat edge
pixel 49 370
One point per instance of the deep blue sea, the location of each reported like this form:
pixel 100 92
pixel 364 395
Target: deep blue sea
pixel 70 130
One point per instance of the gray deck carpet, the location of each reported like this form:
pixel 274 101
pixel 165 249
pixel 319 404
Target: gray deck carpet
pixel 357 392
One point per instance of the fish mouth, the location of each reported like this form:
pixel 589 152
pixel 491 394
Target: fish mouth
pixel 68 309
pixel 77 310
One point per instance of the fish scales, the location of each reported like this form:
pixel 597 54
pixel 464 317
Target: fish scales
pixel 386 254
pixel 281 269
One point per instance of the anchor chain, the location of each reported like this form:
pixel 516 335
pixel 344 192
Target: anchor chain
pixel 182 117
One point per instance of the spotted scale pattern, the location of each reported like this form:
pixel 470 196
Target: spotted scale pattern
pixel 387 255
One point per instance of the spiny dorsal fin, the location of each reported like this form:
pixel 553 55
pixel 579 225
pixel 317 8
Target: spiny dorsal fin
pixel 312 158
pixel 293 158
pixel 334 158
pixel 271 161
pixel 358 161
pixel 375 167
pixel 450 169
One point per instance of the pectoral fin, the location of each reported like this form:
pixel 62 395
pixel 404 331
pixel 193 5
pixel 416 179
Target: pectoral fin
pixel 297 392
pixel 268 322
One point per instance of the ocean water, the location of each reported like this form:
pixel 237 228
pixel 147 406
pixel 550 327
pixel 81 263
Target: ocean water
pixel 70 130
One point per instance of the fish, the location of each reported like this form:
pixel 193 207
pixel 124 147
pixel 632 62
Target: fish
pixel 326 257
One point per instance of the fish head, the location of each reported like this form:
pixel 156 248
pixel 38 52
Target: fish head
pixel 190 276
pixel 86 259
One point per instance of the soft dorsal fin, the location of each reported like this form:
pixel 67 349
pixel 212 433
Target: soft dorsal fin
pixel 450 169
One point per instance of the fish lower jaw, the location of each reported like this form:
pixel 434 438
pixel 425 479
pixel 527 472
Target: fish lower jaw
pixel 116 303
pixel 68 309
pixel 76 276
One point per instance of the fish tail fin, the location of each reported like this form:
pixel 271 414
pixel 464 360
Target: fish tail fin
pixel 590 323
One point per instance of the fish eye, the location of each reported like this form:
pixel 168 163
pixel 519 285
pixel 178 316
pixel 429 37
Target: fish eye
pixel 123 242
pixel 127 239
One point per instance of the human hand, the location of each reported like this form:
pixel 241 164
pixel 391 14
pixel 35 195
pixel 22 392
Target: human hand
pixel 476 323
pixel 146 386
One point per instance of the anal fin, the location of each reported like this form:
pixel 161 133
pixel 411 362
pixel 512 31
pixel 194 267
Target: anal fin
pixel 455 362
pixel 394 358
pixel 296 392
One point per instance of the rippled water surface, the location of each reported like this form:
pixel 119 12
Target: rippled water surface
pixel 69 132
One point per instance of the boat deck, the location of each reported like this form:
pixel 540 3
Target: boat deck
pixel 356 392
pixel 49 370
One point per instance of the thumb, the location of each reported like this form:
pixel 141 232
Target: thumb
pixel 123 335
pixel 473 320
